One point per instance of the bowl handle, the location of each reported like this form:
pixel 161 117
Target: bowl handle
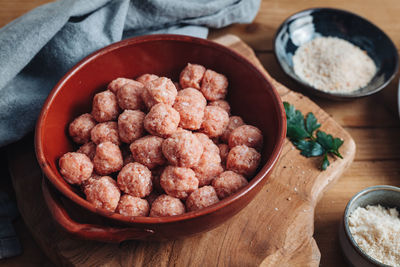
pixel 88 231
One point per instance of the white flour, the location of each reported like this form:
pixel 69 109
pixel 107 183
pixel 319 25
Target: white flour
pixel 333 65
pixel 377 231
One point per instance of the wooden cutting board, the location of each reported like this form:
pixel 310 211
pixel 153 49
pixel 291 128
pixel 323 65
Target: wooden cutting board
pixel 276 228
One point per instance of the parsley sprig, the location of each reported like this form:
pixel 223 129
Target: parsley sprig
pixel 301 131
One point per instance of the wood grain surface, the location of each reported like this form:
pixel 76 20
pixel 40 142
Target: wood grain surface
pixel 373 121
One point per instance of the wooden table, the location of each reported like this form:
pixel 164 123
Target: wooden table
pixel 373 121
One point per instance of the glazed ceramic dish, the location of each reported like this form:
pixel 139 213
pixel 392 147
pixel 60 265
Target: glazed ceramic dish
pixel 384 195
pixel 250 94
pixel 306 25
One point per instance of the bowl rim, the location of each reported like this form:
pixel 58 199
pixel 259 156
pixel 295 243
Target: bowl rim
pixel 332 95
pixel 261 174
pixel 347 214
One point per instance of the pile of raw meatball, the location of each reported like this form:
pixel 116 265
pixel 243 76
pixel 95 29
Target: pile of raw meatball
pixel 152 147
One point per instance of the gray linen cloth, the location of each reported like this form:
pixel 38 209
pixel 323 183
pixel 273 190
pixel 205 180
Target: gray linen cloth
pixel 37 49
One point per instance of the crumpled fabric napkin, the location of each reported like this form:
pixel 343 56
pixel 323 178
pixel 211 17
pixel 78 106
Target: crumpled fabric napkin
pixel 37 49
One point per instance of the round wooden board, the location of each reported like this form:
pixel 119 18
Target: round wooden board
pixel 275 228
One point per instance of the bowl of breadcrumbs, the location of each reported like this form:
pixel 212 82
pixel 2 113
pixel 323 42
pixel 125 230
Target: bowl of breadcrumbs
pixel 335 54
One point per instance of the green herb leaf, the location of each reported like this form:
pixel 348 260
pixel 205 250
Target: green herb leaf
pixel 301 130
pixel 325 162
pixel 311 123
pixel 309 148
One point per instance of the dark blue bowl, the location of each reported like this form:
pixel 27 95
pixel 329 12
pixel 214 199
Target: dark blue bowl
pixel 306 25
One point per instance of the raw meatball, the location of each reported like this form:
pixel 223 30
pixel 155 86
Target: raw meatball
pixel 153 196
pixel 234 122
pixel 215 121
pixel 128 159
pixel 190 104
pixel 146 78
pixel 223 152
pixel 108 158
pixel 75 167
pixel 79 129
pixel 214 85
pixel 103 193
pixel 106 131
pixel 179 182
pixel 130 125
pixel 246 135
pixel 201 198
pixel 156 176
pixel 182 149
pixel 89 149
pixel 228 183
pixel 207 143
pixel 165 206
pixel 148 151
pixel 243 160
pixel 129 96
pixel 177 86
pixel 222 104
pixel 161 90
pixel 208 167
pixel 135 179
pixel 133 206
pixel 191 76
pixel 162 120
pixel 105 107
pixel 117 84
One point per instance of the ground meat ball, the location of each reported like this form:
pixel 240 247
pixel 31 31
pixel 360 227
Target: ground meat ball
pixel 177 86
pixel 135 179
pixel 207 143
pixel 228 183
pixel 201 198
pixel 208 167
pixel 182 149
pixel 89 181
pixel 89 149
pixel 162 120
pixel 116 84
pixel 105 107
pixel 243 160
pixel 103 193
pixel 129 96
pixel 191 76
pixel 178 182
pixel 146 78
pixel 148 151
pixel 75 167
pixel 153 196
pixel 190 104
pixel 161 90
pixel 80 128
pixel 223 152
pixel 215 121
pixel 130 125
pixel 108 158
pixel 234 122
pixel 222 104
pixel 165 206
pixel 106 131
pixel 133 206
pixel 156 176
pixel 128 159
pixel 214 85
pixel 246 135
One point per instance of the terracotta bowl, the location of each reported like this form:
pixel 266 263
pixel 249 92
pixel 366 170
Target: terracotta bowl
pixel 250 94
